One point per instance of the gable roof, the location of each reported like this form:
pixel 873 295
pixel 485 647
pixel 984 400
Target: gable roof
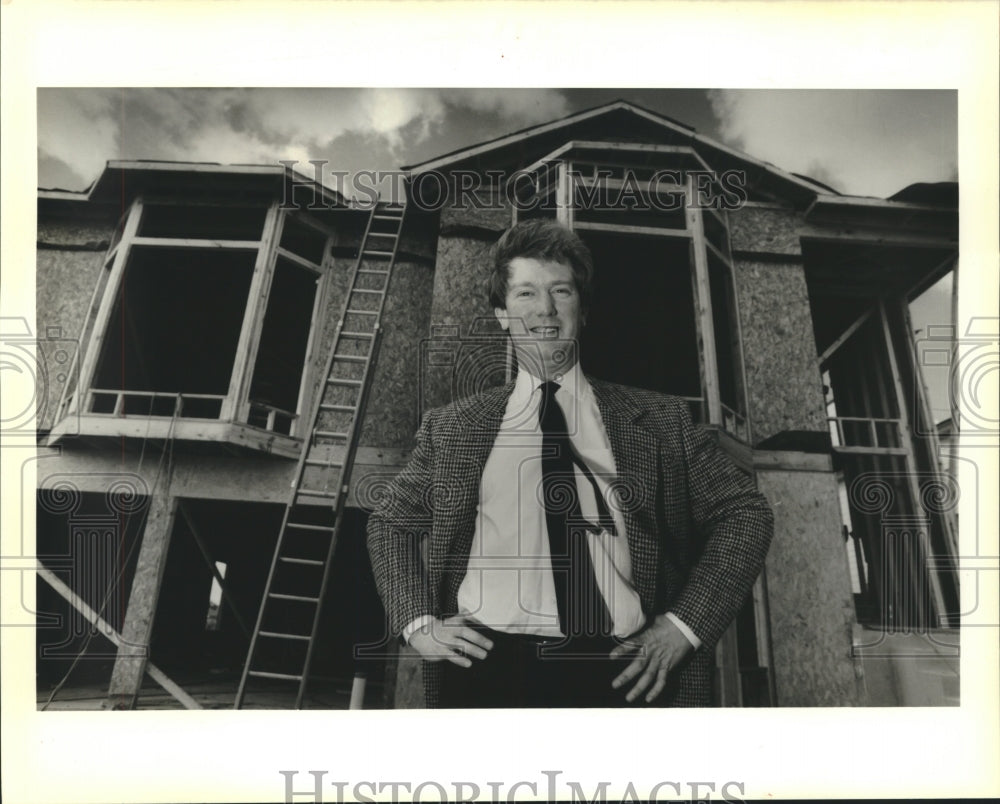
pixel 621 121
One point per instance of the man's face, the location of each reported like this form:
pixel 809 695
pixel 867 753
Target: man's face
pixel 543 315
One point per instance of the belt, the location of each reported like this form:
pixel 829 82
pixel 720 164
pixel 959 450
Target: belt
pixel 593 643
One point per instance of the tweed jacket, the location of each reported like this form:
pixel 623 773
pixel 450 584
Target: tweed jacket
pixel 697 530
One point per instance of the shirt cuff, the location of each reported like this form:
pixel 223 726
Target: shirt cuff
pixel 420 622
pixel 684 629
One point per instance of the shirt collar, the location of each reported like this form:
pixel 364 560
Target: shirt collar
pixel 573 382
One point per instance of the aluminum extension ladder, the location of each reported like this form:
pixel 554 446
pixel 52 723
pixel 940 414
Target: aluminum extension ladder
pixel 303 556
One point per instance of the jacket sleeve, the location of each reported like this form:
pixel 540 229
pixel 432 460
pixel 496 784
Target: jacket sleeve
pixel 397 529
pixel 733 526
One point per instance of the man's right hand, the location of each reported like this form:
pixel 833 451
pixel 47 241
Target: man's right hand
pixel 452 640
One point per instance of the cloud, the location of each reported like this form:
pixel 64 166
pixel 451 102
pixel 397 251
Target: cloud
pixel 862 142
pixel 523 106
pixel 83 128
pixel 79 130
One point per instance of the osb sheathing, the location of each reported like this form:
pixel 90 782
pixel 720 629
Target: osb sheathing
pixel 414 241
pixel 409 691
pixel 783 379
pixel 809 592
pixel 391 417
pixel 765 230
pixel 64 284
pixel 467 342
pixel 487 214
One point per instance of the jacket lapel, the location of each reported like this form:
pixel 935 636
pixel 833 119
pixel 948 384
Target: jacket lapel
pixel 636 451
pixel 472 429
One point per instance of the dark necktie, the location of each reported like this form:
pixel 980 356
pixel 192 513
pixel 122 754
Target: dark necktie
pixel 582 609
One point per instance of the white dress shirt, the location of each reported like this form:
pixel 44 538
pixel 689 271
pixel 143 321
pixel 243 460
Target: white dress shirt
pixel 508 585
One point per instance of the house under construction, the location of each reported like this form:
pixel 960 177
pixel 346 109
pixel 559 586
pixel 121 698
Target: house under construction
pixel 237 359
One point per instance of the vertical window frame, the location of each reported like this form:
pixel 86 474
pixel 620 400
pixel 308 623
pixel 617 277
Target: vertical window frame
pixel 235 406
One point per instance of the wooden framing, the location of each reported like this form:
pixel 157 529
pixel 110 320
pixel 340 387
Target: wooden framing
pixel 703 310
pixel 203 549
pixel 105 629
pixel 564 196
pixel 762 622
pixel 928 425
pixel 133 653
pixel 845 336
pixel 727 670
pixel 932 276
pixel 740 352
pixel 107 304
pixel 70 395
pixel 617 184
pixel 302 262
pixel 312 362
pixel 254 322
pixel 733 311
pixel 621 147
pixel 872 236
pixel 791 461
pixel 954 389
pixel 866 204
pixel 163 427
pixel 858 450
pixel 329 199
pixel 688 134
pixel 194 242
pixel 651 231
pixel 701 289
pixel 237 407
pixel 194 167
pixel 906 433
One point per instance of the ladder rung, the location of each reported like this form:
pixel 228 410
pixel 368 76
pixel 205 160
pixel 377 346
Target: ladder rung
pixel 329 434
pixel 276 635
pixel 352 358
pixel 371 271
pixel 387 217
pixel 283 676
pixel 344 381
pixel 357 334
pixel 309 562
pixel 376 252
pixel 299 598
pixel 341 408
pixel 321 462
pixel 304 526
pixel 362 312
pixel 368 290
pixel 317 493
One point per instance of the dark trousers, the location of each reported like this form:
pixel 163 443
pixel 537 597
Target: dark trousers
pixel 525 671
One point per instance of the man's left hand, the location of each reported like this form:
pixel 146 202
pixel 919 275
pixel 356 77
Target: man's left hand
pixel 661 648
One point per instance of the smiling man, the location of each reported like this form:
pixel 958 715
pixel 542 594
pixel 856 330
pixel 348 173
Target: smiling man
pixel 587 544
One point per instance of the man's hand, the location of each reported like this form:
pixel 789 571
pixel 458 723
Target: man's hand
pixel 661 648
pixel 450 640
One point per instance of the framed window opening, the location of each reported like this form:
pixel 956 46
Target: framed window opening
pixel 898 546
pixel 205 312
pixel 649 200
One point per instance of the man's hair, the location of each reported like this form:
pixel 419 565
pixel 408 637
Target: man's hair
pixel 541 239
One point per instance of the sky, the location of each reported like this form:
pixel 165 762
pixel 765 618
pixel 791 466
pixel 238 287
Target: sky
pixel 859 142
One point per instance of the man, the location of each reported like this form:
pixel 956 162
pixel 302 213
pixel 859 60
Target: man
pixel 584 543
